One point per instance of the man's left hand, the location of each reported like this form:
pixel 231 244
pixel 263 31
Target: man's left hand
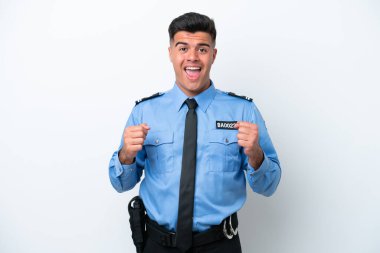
pixel 248 138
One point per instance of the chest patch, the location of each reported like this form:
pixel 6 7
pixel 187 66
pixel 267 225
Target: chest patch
pixel 230 125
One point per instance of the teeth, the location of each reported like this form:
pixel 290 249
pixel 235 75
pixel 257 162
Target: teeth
pixel 193 68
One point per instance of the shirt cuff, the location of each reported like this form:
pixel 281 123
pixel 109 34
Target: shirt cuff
pixel 120 168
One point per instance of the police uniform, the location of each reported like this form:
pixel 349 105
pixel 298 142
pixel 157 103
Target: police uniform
pixel 222 168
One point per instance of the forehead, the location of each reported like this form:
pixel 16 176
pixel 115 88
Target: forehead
pixel 192 38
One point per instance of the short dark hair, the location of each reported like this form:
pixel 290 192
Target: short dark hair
pixel 192 22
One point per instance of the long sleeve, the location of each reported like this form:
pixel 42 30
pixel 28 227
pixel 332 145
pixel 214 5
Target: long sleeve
pixel 222 168
pixel 125 177
pixel 266 178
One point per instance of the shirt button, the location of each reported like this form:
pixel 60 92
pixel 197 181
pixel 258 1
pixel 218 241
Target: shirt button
pixel 156 141
pixel 226 140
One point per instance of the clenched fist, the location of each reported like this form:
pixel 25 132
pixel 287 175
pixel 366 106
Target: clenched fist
pixel 248 138
pixel 134 137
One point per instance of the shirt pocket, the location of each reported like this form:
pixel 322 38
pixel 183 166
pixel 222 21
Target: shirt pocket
pixel 223 151
pixel 159 150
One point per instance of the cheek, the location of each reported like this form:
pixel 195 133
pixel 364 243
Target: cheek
pixel 177 62
pixel 177 68
pixel 208 60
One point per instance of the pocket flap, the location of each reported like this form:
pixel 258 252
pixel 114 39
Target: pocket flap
pixel 223 136
pixel 159 137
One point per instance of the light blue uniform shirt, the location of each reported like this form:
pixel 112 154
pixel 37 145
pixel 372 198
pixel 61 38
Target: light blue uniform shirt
pixel 220 186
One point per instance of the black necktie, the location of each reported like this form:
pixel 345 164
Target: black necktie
pixel 186 189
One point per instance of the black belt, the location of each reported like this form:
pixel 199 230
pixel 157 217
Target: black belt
pixel 225 230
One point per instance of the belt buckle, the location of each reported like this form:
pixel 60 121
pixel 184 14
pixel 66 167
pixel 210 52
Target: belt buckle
pixel 232 232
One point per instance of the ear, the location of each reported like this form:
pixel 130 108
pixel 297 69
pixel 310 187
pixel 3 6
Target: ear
pixel 215 51
pixel 170 53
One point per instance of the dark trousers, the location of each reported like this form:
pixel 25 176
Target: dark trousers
pixel 221 246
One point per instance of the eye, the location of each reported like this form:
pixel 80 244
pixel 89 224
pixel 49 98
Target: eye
pixel 203 50
pixel 183 49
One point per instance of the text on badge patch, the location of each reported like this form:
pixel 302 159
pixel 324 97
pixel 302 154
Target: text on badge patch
pixel 230 125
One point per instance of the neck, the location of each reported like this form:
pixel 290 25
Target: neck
pixel 193 93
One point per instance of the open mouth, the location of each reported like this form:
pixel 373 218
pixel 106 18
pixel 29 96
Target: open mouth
pixel 193 73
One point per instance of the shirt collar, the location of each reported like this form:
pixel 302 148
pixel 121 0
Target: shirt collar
pixel 203 99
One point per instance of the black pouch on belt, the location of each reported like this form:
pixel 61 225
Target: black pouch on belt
pixel 137 221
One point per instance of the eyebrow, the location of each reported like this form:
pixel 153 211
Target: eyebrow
pixel 186 44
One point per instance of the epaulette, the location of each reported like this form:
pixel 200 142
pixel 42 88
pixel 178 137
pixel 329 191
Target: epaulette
pixel 150 97
pixel 243 97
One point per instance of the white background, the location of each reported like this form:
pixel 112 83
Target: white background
pixel 71 70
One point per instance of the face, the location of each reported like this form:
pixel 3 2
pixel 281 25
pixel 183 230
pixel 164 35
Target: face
pixel 192 55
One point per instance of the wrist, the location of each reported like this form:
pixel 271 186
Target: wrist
pixel 125 159
pixel 256 159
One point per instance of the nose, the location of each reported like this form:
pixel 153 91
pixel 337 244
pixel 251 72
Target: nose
pixel 193 55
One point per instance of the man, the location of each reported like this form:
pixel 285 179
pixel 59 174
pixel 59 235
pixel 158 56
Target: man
pixel 195 144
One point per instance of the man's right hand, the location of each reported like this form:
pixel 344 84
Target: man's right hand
pixel 134 137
